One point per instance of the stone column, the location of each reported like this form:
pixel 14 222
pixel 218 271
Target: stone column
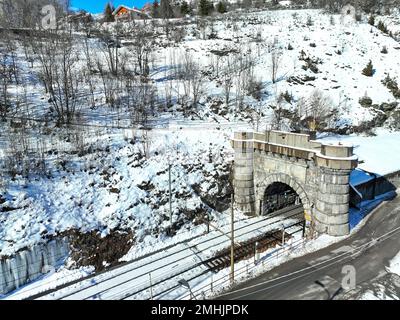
pixel 331 212
pixel 243 180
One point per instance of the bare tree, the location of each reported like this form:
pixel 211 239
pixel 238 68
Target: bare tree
pixel 109 47
pixel 145 140
pixel 316 110
pixel 27 13
pixel 277 114
pixel 142 50
pixel 4 85
pixel 276 56
pixel 227 78
pixel 192 78
pixel 88 73
pixel 59 63
pixel 165 9
pixel 109 82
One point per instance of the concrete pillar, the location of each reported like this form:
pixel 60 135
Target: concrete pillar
pixel 331 213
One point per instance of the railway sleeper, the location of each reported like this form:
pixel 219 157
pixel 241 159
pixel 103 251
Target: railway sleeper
pixel 222 259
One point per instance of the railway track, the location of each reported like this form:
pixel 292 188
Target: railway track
pixel 222 260
pixel 265 242
pixel 133 279
pixel 188 275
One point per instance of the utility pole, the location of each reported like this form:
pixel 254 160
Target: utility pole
pixel 208 222
pixel 255 252
pixel 151 287
pixel 232 243
pixel 170 195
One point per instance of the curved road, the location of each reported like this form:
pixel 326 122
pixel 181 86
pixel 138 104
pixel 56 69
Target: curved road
pixel 368 251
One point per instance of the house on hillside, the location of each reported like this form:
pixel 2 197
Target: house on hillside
pixel 148 8
pixel 126 13
pixel 79 17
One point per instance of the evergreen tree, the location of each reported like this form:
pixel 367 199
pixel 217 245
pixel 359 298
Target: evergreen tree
pixel 108 13
pixel 211 7
pixel 381 26
pixel 185 9
pixel 221 7
pixel 204 7
pixel 166 11
pixel 371 20
pixel 368 71
pixel 156 9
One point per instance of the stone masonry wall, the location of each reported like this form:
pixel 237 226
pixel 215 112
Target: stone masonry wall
pixel 332 207
pixel 318 173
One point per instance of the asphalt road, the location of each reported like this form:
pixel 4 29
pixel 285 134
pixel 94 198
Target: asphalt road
pixel 368 251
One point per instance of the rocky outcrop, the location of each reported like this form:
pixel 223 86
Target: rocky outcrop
pixel 31 263
pixel 91 249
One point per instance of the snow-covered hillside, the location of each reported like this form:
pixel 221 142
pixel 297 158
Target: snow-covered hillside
pixel 106 173
pixel 116 188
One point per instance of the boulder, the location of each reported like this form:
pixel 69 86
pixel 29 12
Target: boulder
pixel 365 102
pixel 387 107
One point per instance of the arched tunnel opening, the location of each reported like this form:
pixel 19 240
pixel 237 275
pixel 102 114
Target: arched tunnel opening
pixel 282 203
pixel 283 210
pixel 279 196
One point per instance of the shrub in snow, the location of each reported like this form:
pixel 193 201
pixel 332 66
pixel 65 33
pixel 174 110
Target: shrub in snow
pixel 221 7
pixel 311 64
pixel 287 96
pixel 259 37
pixel 382 27
pixel 185 9
pixel 290 47
pixel 392 85
pixel 310 21
pixel 178 34
pixel 384 50
pixel 371 20
pixel 205 7
pixel 255 88
pixel 368 71
pixel 365 101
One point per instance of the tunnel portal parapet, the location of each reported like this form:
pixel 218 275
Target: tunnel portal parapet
pixel 319 174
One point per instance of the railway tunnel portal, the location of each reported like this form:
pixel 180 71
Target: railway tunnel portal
pixel 275 169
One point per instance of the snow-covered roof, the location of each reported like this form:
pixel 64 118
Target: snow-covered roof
pixel 133 9
pixel 379 154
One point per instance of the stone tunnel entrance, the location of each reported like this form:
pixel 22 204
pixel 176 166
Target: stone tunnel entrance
pixel 274 169
pixel 279 196
pixel 282 203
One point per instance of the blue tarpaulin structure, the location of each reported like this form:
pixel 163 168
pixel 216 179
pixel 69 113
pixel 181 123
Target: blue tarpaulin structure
pixel 357 215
